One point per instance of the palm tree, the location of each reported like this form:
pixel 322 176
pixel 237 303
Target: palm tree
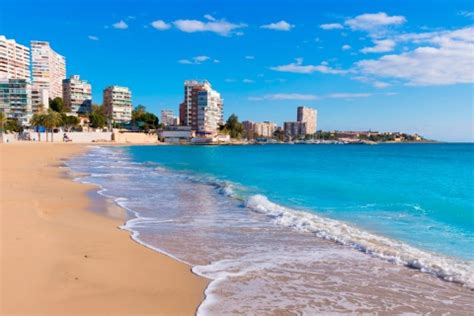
pixel 36 121
pixel 52 120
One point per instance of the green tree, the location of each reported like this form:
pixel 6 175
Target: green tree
pixel 97 117
pixel 56 104
pixel 36 121
pixel 3 120
pixel 51 121
pixel 234 127
pixel 279 135
pixel 144 120
pixel 12 125
pixel 69 121
pixel 138 112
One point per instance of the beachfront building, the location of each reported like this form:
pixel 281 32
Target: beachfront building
pixel 15 99
pixel 309 117
pixel 294 129
pixel 305 124
pixel 39 99
pixel 202 108
pixel 48 69
pixel 259 129
pixel 248 127
pixel 15 87
pixel 168 119
pixel 77 95
pixel 265 129
pixel 118 104
pixel 14 60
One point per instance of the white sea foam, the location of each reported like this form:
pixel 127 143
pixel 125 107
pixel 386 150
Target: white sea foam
pixel 382 247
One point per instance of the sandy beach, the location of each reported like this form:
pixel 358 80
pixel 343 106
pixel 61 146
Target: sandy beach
pixel 60 258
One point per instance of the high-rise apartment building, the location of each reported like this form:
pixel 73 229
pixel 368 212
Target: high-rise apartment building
pixel 39 99
pixel 259 129
pixel 48 69
pixel 309 117
pixel 77 95
pixel 168 119
pixel 118 104
pixel 15 99
pixel 202 108
pixel 306 122
pixel 14 60
pixel 15 87
pixel 294 129
pixel 265 129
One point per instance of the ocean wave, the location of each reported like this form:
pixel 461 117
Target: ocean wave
pixel 382 247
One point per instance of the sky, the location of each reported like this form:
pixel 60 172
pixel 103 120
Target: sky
pixel 382 65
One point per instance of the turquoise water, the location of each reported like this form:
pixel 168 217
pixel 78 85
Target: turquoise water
pixel 303 229
pixel 421 194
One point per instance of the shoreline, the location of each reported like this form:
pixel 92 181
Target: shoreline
pixel 64 252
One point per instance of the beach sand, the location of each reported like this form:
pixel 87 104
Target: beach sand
pixel 60 258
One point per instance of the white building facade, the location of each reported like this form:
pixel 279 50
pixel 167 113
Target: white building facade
pixel 15 99
pixel 15 86
pixel 264 129
pixel 48 69
pixel 309 116
pixel 14 60
pixel 209 111
pixel 168 119
pixel 118 104
pixel 77 95
pixel 39 99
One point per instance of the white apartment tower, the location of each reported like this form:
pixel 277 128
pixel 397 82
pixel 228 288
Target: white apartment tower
pixel 77 95
pixel 265 129
pixel 202 108
pixel 14 60
pixel 168 119
pixel 308 116
pixel 49 69
pixel 118 104
pixel 15 87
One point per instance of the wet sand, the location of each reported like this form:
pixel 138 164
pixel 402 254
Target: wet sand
pixel 58 257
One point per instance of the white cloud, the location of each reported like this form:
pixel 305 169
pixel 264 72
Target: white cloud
pixel 121 25
pixel 220 27
pixel 185 62
pixel 446 59
pixel 196 60
pixel 201 59
pixel 278 26
pixel 216 61
pixel 381 46
pixel 286 96
pixel 93 38
pixel 209 17
pixel 374 21
pixel 467 14
pixel 348 95
pixel 249 57
pixel 160 25
pixel 346 47
pixel 248 81
pixel 331 26
pixel 381 84
pixel 298 67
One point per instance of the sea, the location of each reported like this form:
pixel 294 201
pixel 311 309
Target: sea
pixel 303 229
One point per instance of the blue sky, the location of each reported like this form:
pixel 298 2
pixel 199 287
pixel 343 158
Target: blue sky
pixel 380 65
